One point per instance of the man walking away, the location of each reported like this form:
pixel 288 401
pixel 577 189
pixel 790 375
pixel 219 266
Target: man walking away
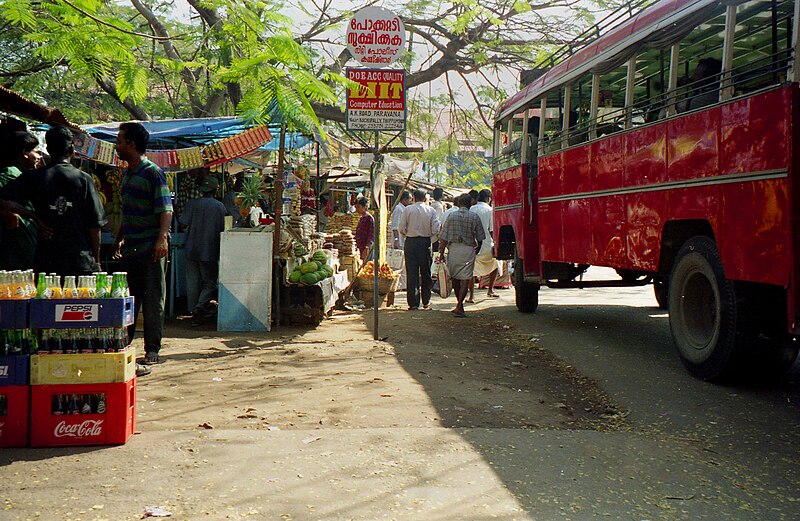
pixel 462 235
pixel 417 225
pixel 485 263
pixel 143 238
pixel 438 206
pixel 66 200
pixel 205 219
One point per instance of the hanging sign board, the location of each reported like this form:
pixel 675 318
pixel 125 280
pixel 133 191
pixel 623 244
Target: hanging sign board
pixel 379 102
pixel 375 36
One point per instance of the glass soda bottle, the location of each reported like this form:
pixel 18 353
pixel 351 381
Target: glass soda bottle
pixel 70 289
pixel 117 286
pixel 41 286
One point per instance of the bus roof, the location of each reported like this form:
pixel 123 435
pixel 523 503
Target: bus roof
pixel 648 21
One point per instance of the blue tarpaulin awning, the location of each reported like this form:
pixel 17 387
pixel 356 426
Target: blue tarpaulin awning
pixel 183 133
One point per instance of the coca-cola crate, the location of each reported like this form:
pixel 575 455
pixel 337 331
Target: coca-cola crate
pixel 14 370
pixel 14 409
pixel 56 422
pixel 14 314
pixel 83 368
pixel 81 312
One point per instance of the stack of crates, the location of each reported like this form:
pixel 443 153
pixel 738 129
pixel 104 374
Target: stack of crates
pixel 84 397
pixel 15 349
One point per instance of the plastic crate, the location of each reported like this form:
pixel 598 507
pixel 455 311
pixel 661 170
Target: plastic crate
pixel 14 415
pixel 81 312
pixel 14 370
pixel 14 314
pixel 115 426
pixel 80 368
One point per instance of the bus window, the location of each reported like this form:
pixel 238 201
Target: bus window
pixel 611 107
pixel 510 145
pixel 578 110
pixel 649 88
pixel 762 45
pixel 700 64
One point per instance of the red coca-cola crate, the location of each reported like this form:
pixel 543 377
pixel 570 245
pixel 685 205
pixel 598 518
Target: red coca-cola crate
pixel 91 414
pixel 14 402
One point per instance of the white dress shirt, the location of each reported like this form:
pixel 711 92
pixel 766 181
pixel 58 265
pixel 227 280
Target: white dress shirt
pixel 419 220
pixel 484 211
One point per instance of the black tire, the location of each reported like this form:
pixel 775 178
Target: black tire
pixel 526 293
pixel 703 311
pixel 661 292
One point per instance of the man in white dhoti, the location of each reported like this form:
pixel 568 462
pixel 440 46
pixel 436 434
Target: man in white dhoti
pixel 462 235
pixel 485 263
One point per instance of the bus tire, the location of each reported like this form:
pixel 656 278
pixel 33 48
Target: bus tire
pixel 703 311
pixel 526 293
pixel 661 292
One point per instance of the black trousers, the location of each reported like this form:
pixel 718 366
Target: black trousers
pixel 418 270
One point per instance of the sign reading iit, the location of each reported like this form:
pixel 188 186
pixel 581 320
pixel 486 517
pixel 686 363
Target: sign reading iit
pixel 379 100
pixel 376 36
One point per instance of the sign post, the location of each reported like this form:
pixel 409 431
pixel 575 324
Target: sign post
pixel 376 101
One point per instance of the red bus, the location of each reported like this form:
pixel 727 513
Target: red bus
pixel 665 149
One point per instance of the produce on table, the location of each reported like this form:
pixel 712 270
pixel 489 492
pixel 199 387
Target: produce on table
pixel 384 272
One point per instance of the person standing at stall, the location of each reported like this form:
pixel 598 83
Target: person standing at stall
pixel 143 238
pixel 18 154
pixel 66 200
pixel 365 229
pixel 417 225
pixel 205 220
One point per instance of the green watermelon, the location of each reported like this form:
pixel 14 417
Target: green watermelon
pixel 321 274
pixel 320 257
pixel 328 270
pixel 309 278
pixel 295 276
pixel 309 267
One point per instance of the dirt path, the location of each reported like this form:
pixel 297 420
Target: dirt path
pixel 216 421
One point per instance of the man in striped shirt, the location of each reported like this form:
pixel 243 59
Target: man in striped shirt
pixel 143 237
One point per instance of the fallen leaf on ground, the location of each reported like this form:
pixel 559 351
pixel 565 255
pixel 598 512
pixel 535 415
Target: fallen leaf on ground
pixel 206 425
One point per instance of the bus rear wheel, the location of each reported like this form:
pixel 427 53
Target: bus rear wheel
pixel 703 311
pixel 526 293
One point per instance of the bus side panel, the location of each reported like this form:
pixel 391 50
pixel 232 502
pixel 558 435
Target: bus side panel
pixel 645 215
pixel 693 150
pixel 794 260
pixel 607 222
pixel 755 138
pixel 576 170
pixel 754 245
pixel 609 227
pixel 646 155
pixel 550 232
pixel 508 194
pixel 577 230
pixel 551 247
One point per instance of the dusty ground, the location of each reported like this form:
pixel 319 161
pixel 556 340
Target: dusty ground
pixel 318 423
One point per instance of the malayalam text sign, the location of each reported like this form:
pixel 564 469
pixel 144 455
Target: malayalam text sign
pixel 379 102
pixel 375 36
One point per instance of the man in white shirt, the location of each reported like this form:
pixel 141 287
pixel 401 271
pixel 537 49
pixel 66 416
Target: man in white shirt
pixel 485 263
pixel 417 225
pixel 397 239
pixel 438 206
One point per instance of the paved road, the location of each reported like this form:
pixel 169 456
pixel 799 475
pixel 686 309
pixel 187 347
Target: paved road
pixel 736 449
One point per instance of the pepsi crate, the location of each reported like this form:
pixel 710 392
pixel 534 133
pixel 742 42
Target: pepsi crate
pixel 14 370
pixel 14 314
pixel 81 312
pixel 14 415
pixel 72 415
